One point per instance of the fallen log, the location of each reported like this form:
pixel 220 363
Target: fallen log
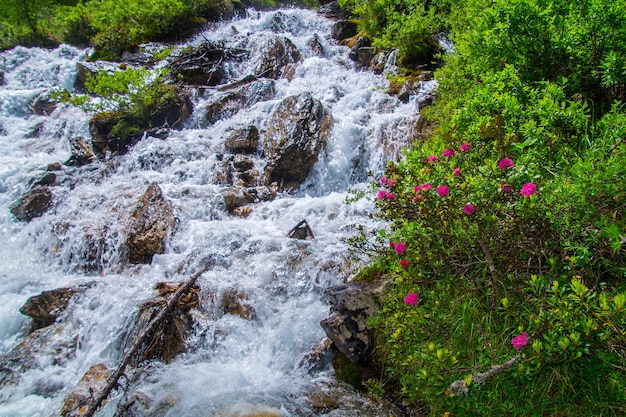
pixel 143 337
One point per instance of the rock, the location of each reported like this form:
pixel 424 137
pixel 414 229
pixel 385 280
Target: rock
pixel 203 64
pixel 301 231
pixel 235 197
pixel 43 178
pixel 171 335
pixel 242 163
pixel 48 306
pixel 332 10
pixel 315 43
pixel 242 212
pixel 276 55
pixel 149 224
pixel 82 395
pixel 34 203
pixel 45 345
pixel 43 105
pixel 297 132
pixel 352 305
pixel 243 140
pixel 2 82
pixel 362 52
pixel 228 102
pixel 343 29
pixel 236 302
pixel 116 132
pixel 81 152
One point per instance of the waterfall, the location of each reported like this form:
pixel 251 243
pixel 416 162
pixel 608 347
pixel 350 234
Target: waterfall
pixel 232 364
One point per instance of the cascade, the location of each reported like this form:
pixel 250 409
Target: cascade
pixel 241 356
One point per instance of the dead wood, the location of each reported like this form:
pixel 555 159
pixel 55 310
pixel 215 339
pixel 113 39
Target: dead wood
pixel 172 302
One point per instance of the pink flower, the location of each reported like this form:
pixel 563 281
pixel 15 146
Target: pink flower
pixel 417 188
pixel 433 158
pixel 505 188
pixel 383 181
pixel 390 182
pixel 528 189
pixel 465 147
pixel 456 171
pixel 505 163
pixel 412 299
pixel 449 152
pixel 520 341
pixel 469 209
pixel 443 190
pixel 391 196
pixel 404 263
pixel 382 194
pixel 399 247
pixel 426 187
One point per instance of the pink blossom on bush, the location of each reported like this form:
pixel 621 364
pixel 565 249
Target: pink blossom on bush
pixel 505 188
pixel 426 187
pixel 433 158
pixel 383 181
pixel 404 263
pixel 382 194
pixel 443 190
pixel 449 152
pixel 465 147
pixel 412 299
pixel 469 209
pixel 456 171
pixel 505 163
pixel 520 341
pixel 399 247
pixel 528 189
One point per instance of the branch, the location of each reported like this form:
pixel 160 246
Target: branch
pixel 460 387
pixel 112 381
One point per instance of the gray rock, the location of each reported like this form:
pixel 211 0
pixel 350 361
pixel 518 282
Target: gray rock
pixel 276 56
pixel 34 203
pixel 297 132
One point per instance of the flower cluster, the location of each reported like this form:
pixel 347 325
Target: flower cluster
pixel 412 299
pixel 520 341
pixel 399 247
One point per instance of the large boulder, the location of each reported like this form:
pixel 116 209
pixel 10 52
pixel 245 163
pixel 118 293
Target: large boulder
pixel 231 100
pixel 297 132
pixel 352 304
pixel 33 203
pixel 343 29
pixel 278 55
pixel 150 223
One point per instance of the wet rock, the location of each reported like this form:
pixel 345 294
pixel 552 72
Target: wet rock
pixel 227 103
pixel 235 197
pixel 43 178
pixel 362 52
pixel 81 152
pixel 243 140
pixel 301 231
pixel 276 56
pixel 315 43
pixel 203 64
pixel 352 305
pixel 242 212
pixel 34 203
pixel 46 345
pixel 332 10
pixel 55 166
pixel 242 163
pixel 48 306
pixel 150 223
pixel 236 302
pixel 2 78
pixel 262 193
pixel 43 105
pixel 77 401
pixel 297 132
pixel 343 29
pixel 118 131
pixel 170 337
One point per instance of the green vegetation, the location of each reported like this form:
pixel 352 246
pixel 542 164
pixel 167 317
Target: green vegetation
pixel 509 221
pixel 110 26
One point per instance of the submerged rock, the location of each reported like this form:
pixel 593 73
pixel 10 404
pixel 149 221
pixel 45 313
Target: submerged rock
pixel 235 302
pixel 297 132
pixel 150 223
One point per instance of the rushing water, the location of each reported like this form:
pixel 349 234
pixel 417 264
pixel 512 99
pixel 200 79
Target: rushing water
pixel 231 364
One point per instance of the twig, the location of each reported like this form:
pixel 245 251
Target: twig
pixel 488 258
pixel 460 387
pixel 112 381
